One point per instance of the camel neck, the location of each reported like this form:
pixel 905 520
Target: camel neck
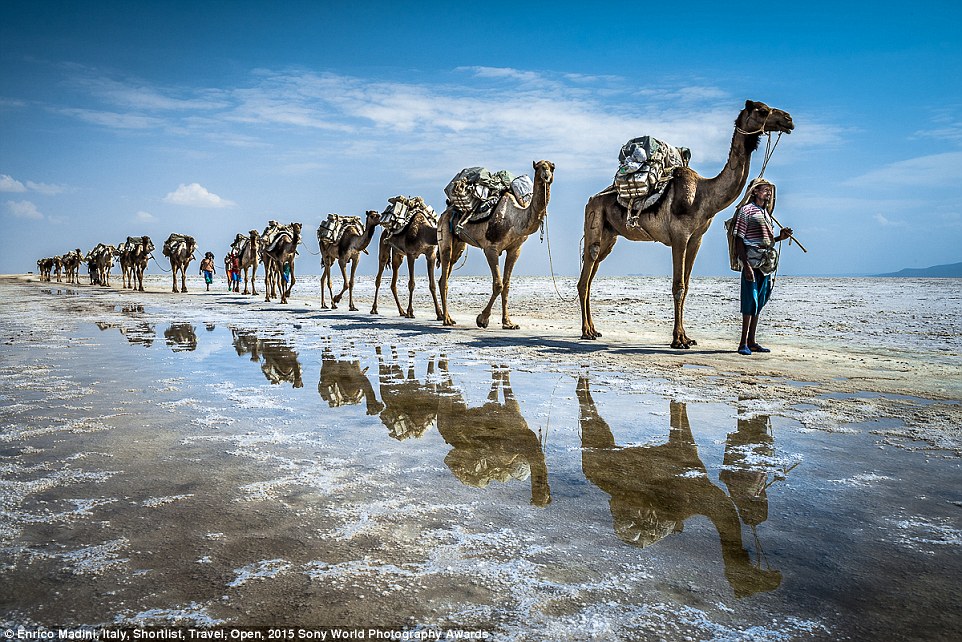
pixel 725 188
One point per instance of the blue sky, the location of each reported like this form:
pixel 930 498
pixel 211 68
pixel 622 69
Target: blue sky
pixel 209 118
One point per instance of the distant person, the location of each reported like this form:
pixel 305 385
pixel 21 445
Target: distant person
pixel 207 269
pixel 755 245
pixel 229 271
pixel 235 271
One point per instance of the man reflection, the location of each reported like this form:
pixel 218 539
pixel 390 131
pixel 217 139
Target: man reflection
pixel 410 407
pixel 493 441
pixel 342 382
pixel 654 489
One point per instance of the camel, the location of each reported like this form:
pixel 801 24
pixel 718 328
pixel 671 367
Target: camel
pixel 181 337
pixel 277 254
pixel 279 360
pixel 504 231
pixel 179 248
pixel 410 407
pixel 679 219
pixel 45 267
pixel 105 263
pixel 419 237
pixel 71 264
pixel 654 489
pixel 248 251
pixel 342 382
pixel 57 267
pixel 346 249
pixel 492 441
pixel 133 260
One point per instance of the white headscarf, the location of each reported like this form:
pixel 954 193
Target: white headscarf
pixel 751 188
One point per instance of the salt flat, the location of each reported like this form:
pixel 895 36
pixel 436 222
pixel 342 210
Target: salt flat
pixel 210 458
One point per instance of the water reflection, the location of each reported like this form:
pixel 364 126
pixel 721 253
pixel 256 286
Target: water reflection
pixel 343 383
pixel 181 337
pixel 491 442
pixel 654 489
pixel 142 333
pixel 278 360
pixel 410 407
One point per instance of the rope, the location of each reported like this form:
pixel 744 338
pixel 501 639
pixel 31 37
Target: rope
pixel 769 150
pixel 158 264
pixel 544 235
pixel 318 253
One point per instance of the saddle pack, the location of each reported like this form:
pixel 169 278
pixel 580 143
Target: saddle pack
pixel 333 227
pixel 402 209
pixel 646 167
pixel 474 192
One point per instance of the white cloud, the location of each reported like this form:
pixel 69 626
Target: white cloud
pixel 886 222
pixel 145 217
pixel 45 188
pixel 194 195
pixel 113 120
pixel 936 170
pixel 24 209
pixel 10 184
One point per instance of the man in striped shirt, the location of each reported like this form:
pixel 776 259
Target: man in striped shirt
pixel 754 242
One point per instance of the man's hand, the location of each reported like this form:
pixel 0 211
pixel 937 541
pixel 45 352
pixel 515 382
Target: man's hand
pixel 785 233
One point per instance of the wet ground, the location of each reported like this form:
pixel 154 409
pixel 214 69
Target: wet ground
pixel 201 465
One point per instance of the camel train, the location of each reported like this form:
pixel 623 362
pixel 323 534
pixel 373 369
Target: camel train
pixel 493 212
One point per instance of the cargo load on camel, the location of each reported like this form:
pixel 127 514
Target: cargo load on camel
pixel 646 167
pixel 474 192
pixel 177 243
pixel 402 209
pixel 332 229
pixel 274 233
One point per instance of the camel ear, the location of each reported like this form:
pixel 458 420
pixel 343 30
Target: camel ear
pixel 749 104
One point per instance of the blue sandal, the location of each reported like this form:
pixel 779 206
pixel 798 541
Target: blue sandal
pixel 758 348
pixel 744 350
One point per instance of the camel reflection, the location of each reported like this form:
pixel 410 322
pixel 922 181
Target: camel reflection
pixel 278 360
pixel 181 337
pixel 493 441
pixel 654 489
pixel 410 407
pixel 343 383
pixel 138 334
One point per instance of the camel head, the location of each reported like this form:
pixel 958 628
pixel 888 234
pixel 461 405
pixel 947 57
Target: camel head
pixel 191 245
pixel 759 118
pixel 372 218
pixel 148 244
pixel 296 229
pixel 544 170
pixel 254 235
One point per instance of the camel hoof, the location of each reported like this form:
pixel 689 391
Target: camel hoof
pixel 352 309
pixel 590 337
pixel 449 322
pixel 510 326
pixel 373 310
pixel 336 299
pixel 482 322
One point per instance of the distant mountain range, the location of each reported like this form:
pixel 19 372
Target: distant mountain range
pixel 951 271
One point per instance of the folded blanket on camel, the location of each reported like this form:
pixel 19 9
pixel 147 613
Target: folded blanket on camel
pixel 474 192
pixel 646 167
pixel 332 229
pixel 397 216
pixel 274 233
pixel 176 243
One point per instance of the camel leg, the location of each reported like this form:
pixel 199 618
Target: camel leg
pixel 430 259
pixel 254 279
pixel 173 275
pixel 396 259
pixel 497 285
pixel 594 254
pixel 509 260
pixel 678 288
pixel 449 257
pixel 350 290
pixel 382 254
pixel 693 245
pixel 246 274
pixel 183 278
pixel 342 263
pixel 410 312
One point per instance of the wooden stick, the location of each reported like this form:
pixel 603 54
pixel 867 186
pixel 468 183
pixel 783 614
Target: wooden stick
pixel 790 236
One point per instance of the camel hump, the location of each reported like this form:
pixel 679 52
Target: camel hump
pixel 646 168
pixel 334 226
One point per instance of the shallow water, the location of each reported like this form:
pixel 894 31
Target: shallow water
pixel 163 466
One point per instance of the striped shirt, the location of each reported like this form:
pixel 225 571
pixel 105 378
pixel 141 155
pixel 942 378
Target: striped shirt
pixel 754 226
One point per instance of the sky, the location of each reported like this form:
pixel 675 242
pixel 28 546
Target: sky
pixel 210 118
